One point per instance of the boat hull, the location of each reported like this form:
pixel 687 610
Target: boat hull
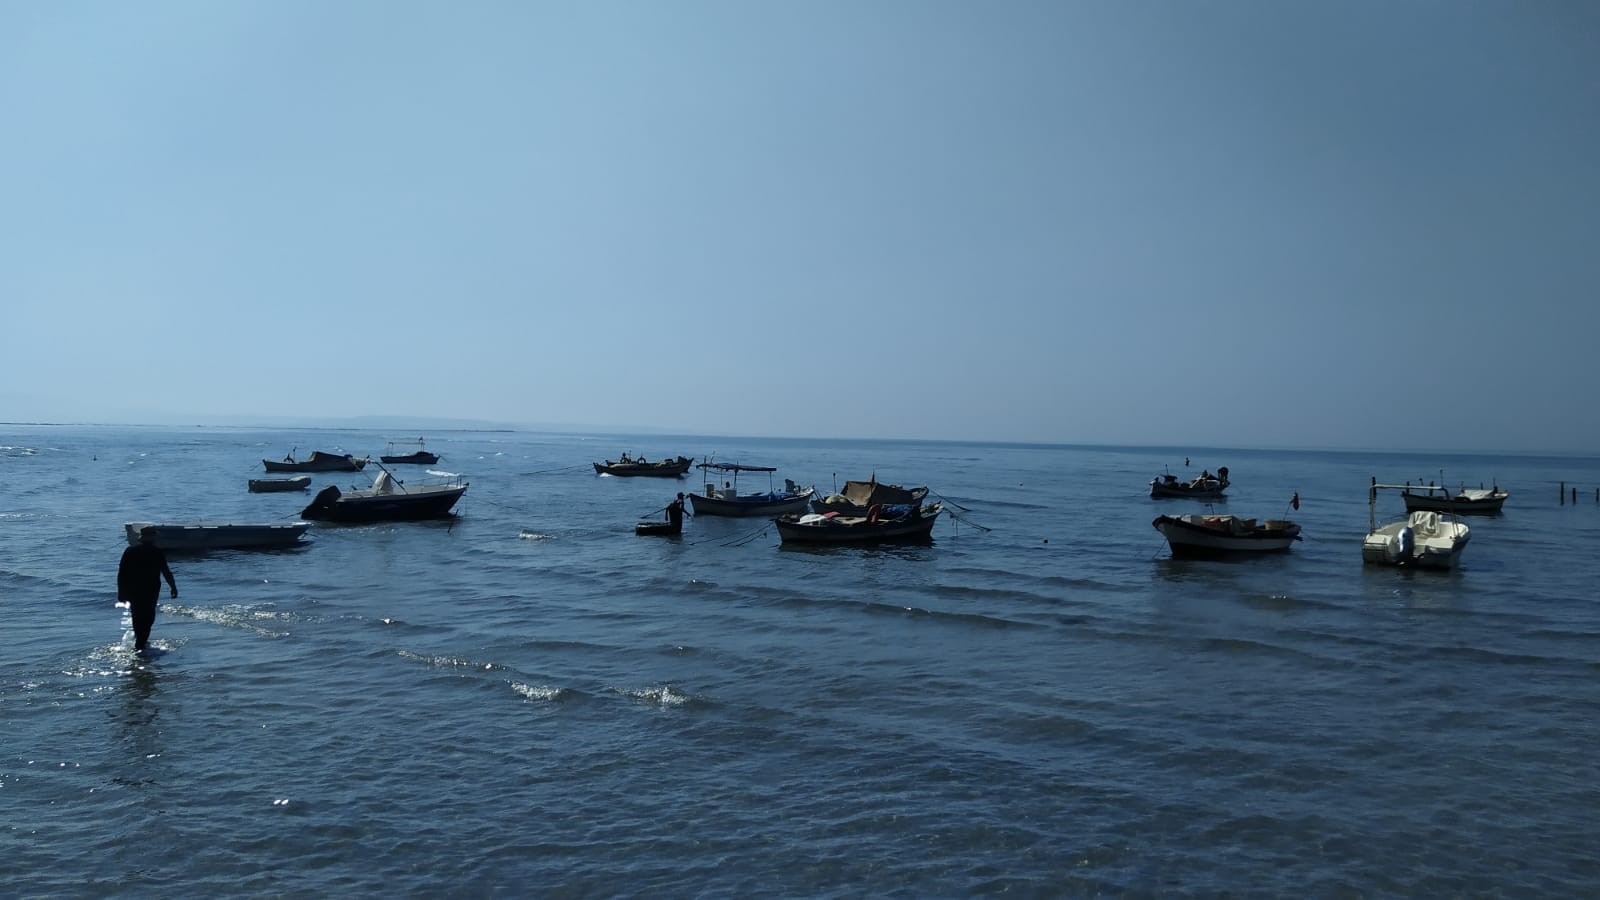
pixel 1205 537
pixel 220 535
pixel 275 485
pixel 1417 542
pixel 1160 490
pixel 857 530
pixel 318 462
pixel 674 468
pixel 667 529
pixel 420 458
pixel 1459 505
pixel 415 504
pixel 745 505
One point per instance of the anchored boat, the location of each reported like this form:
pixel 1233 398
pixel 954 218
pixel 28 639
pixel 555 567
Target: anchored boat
pixel 1424 539
pixel 180 537
pixel 272 485
pixel 318 461
pixel 388 500
pixel 881 525
pixel 419 456
pixel 727 501
pixel 1195 535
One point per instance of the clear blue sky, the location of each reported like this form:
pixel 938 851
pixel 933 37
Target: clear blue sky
pixel 1364 224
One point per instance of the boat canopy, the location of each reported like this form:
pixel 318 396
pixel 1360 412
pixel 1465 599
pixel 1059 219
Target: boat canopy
pixel 866 493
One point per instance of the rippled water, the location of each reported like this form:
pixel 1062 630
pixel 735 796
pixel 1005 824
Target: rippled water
pixel 532 700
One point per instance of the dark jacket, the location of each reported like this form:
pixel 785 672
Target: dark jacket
pixel 140 573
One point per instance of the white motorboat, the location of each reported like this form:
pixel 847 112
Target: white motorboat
pixel 388 500
pixel 1198 535
pixel 178 537
pixel 1425 539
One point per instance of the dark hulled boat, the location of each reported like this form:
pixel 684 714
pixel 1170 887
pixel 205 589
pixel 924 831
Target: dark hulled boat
pixel 420 456
pixel 387 501
pixel 881 525
pixel 1214 536
pixel 1464 502
pixel 1205 487
pixel 318 461
pixel 627 468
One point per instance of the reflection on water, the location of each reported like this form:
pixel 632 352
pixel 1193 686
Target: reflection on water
pixel 917 549
pixel 138 741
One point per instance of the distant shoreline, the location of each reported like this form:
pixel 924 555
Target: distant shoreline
pixel 1174 450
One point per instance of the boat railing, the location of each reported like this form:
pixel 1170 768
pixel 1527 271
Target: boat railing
pixel 431 478
pixel 1407 488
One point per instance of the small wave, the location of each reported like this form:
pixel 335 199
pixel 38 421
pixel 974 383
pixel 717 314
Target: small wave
pixel 541 692
pixel 450 662
pixel 1245 645
pixel 1286 601
pixel 527 535
pixel 665 696
pixel 894 609
pixel 1482 655
pixel 230 617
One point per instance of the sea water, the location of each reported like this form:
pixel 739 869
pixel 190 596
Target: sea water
pixel 531 700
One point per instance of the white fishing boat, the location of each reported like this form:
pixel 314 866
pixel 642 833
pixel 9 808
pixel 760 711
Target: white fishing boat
pixel 1424 539
pixel 178 537
pixel 727 501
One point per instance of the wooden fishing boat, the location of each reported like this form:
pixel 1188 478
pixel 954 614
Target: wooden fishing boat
pixel 1195 535
pixel 727 501
pixel 388 500
pixel 859 496
pixel 628 468
pixel 420 456
pixel 197 536
pixel 273 485
pixel 882 524
pixel 1205 487
pixel 318 461
pixel 1464 502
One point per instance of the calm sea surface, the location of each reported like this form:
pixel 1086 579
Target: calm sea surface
pixel 530 700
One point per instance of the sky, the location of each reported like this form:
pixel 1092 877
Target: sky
pixel 1224 223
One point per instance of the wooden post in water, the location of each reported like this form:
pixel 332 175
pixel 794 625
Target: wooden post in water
pixel 1574 496
pixel 1563 493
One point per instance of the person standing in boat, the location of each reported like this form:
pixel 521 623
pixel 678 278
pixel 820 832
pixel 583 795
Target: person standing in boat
pixel 139 583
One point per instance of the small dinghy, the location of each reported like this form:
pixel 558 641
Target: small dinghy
pixel 274 485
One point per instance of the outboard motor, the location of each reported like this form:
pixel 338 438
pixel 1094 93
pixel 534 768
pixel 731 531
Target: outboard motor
pixel 321 503
pixel 1404 543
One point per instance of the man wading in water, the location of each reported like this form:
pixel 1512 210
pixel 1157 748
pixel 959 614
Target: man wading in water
pixel 139 583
